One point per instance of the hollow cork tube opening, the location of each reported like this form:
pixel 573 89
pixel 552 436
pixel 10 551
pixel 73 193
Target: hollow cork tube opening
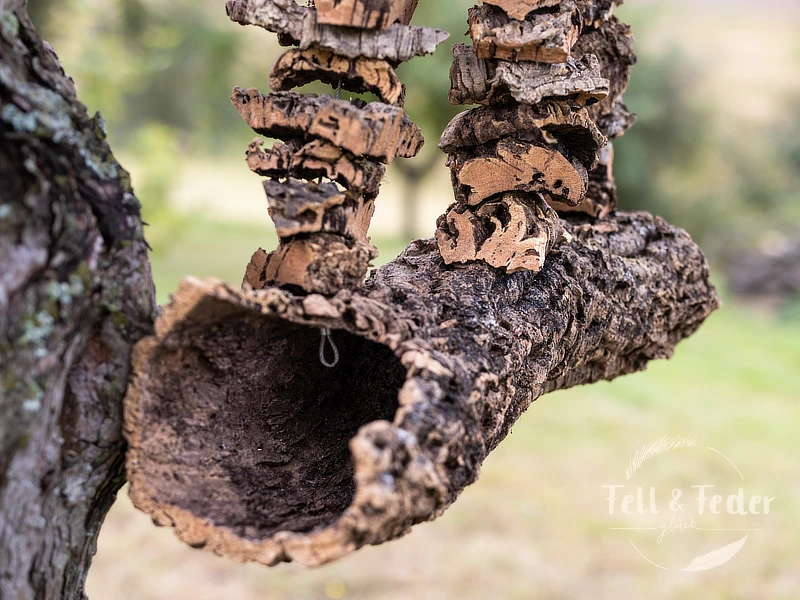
pixel 278 422
pixel 248 446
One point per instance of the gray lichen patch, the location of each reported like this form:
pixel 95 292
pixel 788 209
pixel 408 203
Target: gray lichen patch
pixel 36 332
pixel 64 291
pixel 9 26
pixel 33 402
pixel 50 116
pixel 20 121
pixel 99 126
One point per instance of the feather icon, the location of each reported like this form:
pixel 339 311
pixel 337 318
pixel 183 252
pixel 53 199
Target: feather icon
pixel 715 558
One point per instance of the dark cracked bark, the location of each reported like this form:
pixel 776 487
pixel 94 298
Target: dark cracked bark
pixel 75 294
pixel 249 447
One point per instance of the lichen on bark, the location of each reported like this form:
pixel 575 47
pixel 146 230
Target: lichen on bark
pixel 75 294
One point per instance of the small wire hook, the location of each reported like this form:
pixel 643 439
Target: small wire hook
pixel 325 336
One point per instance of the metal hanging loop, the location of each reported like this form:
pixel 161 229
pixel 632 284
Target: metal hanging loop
pixel 325 336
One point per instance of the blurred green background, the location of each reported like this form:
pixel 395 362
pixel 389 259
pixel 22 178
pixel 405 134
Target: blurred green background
pixel 716 151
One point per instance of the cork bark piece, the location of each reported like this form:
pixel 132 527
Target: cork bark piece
pixel 511 164
pixel 320 263
pixel 546 37
pixel 314 160
pixel 519 9
pixel 297 26
pixel 296 68
pixel 365 14
pixel 477 81
pixel 596 12
pixel 373 130
pixel 248 446
pixel 593 12
pixel 516 232
pixel 470 77
pixel 299 207
pixel 601 193
pixel 570 128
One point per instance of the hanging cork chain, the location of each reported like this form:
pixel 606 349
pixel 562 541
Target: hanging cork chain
pixel 323 231
pixel 542 134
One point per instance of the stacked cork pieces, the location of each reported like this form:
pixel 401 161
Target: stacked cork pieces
pixel 549 75
pixel 324 178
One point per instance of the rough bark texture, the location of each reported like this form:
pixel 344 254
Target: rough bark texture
pixel 296 68
pixel 595 12
pixel 298 207
pixel 322 263
pixel 514 232
pixel 297 26
pixel 374 130
pixel 569 126
pixel 365 14
pixel 592 12
pixel 601 194
pixel 544 37
pixel 518 9
pixel 612 44
pixel 249 447
pixel 542 126
pixel 477 81
pixel 75 294
pixel 513 165
pixel 314 160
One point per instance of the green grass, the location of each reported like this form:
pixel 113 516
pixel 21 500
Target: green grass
pixel 535 525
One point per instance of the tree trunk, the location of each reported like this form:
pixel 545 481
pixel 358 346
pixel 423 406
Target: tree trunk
pixel 413 173
pixel 75 294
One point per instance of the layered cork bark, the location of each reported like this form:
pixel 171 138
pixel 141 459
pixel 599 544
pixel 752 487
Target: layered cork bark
pixel 550 76
pixel 249 446
pixel 323 231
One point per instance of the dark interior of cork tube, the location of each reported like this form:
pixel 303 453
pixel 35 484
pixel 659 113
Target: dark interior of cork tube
pixel 262 426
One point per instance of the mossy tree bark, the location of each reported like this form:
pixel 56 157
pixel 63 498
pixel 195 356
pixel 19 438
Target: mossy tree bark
pixel 75 294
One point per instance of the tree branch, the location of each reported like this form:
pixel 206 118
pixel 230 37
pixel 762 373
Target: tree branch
pixel 244 442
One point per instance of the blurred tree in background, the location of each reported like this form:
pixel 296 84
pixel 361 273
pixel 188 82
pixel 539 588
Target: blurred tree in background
pixel 145 61
pixel 427 82
pixel 161 74
pixel 731 184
